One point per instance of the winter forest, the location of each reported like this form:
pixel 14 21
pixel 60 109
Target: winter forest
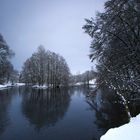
pixel 100 103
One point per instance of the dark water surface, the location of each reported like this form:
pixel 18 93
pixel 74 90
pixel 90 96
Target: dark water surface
pixel 62 114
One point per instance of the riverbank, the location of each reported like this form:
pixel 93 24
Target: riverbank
pixel 4 86
pixel 129 131
pixel 40 87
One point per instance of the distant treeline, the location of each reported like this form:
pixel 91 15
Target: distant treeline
pixel 83 78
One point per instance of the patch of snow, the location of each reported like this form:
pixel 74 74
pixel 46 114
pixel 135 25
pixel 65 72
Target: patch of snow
pixel 5 86
pixel 129 131
pixel 40 87
pixel 11 85
pixel 92 82
pixel 20 84
pixel 79 84
pixel 2 86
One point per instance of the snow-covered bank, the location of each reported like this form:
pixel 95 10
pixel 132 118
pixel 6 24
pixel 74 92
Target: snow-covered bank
pixel 3 87
pixel 40 87
pixel 10 85
pixel 130 131
pixel 92 82
pixel 19 84
pixel 79 84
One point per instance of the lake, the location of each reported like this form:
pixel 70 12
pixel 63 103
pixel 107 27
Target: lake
pixel 56 114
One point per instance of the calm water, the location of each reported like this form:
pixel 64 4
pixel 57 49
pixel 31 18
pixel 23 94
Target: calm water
pixel 27 114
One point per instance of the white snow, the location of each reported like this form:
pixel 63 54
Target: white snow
pixel 79 84
pixel 129 131
pixel 5 86
pixel 10 85
pixel 40 87
pixel 2 86
pixel 92 82
pixel 20 84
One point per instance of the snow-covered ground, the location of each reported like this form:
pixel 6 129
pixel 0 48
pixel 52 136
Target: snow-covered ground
pixel 79 84
pixel 92 82
pixel 10 85
pixel 3 86
pixel 40 87
pixel 19 84
pixel 129 131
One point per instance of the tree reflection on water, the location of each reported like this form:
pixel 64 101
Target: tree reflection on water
pixel 5 100
pixel 45 107
pixel 109 110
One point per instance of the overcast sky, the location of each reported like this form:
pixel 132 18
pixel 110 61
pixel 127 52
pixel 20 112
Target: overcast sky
pixel 55 24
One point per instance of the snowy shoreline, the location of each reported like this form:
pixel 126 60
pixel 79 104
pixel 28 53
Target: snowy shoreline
pixel 5 86
pixel 8 85
pixel 129 131
pixel 40 87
